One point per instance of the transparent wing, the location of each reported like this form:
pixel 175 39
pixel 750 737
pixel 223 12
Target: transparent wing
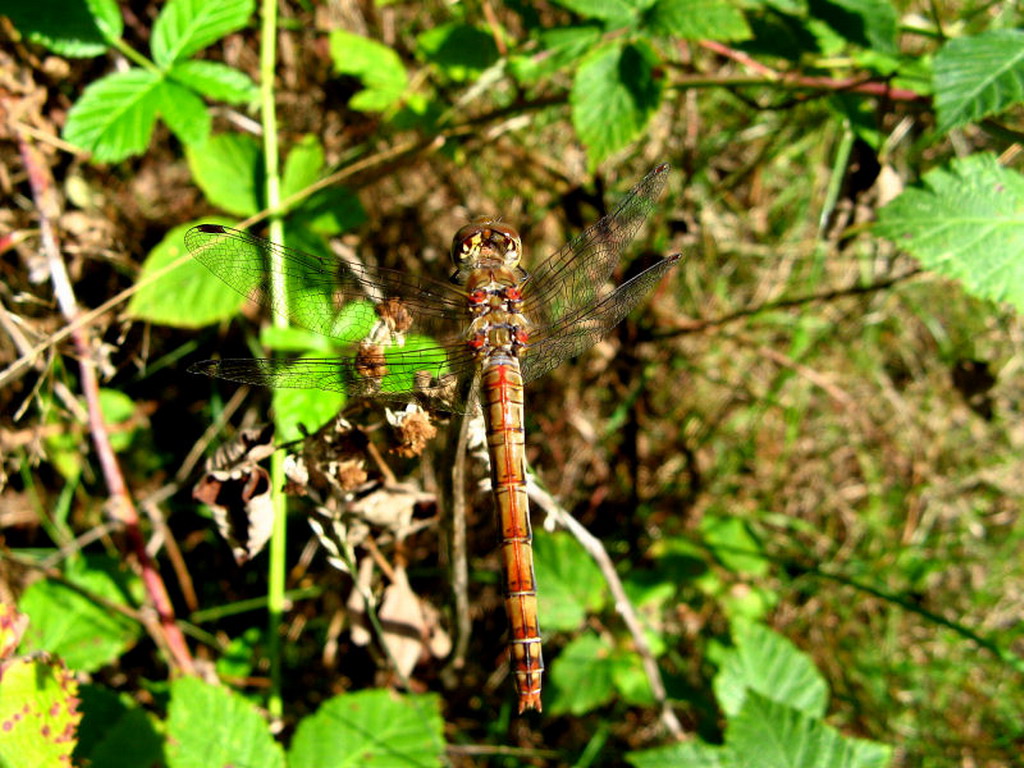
pixel 326 295
pixel 437 375
pixel 568 282
pixel 399 336
pixel 576 332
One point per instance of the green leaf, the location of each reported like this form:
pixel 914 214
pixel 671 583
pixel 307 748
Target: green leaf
pixel 765 734
pixel 867 23
pixel 571 583
pixel 184 113
pixel 771 735
pixel 752 603
pixel 294 340
pixel 460 51
pixel 649 588
pixel 107 15
pixel 65 449
pixel 115 733
pixel 38 715
pixel 303 166
pixel 966 222
pixel 227 168
pixel 378 66
pixel 84 633
pixel 185 26
pixel 692 754
pixel 241 655
pixel 312 408
pixel 733 545
pixel 559 48
pixel 787 36
pixel 210 725
pixel 330 211
pixel 614 95
pixel 215 81
pixel 768 663
pixel 73 28
pixel 978 76
pixel 377 728
pixel 114 117
pixel 607 10
pixel 695 19
pixel 117 409
pixel 582 677
pixel 187 297
pixel 630 680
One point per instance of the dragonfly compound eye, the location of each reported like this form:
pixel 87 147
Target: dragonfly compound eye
pixel 486 243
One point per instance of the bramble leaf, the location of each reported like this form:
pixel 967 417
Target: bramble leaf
pixel 73 28
pixel 559 48
pixel 607 10
pixel 114 117
pixel 85 633
pixel 696 19
pixel 212 725
pixel 38 712
pixel 377 728
pixel 691 754
pixel 872 24
pixel 378 66
pixel 582 676
pixel 614 95
pixel 187 297
pixel 227 168
pixel 459 50
pixel 573 585
pixel 766 662
pixel 303 165
pixel 184 113
pixel 733 544
pixel 785 737
pixel 978 76
pixel 186 26
pixel 215 80
pixel 966 222
pixel 311 408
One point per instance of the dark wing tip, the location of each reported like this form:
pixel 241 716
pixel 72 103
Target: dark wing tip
pixel 205 367
pixel 211 229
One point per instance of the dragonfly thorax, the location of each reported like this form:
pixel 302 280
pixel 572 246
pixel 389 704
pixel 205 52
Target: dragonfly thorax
pixel 495 302
pixel 486 244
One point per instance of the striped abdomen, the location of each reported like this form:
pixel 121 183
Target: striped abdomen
pixel 502 394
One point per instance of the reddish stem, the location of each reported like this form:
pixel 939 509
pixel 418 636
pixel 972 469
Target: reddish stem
pixel 122 508
pixel 847 84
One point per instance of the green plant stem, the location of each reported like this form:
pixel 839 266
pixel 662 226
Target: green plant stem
pixel 130 53
pixel 276 575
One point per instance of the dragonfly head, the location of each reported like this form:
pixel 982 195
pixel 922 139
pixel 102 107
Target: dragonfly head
pixel 486 244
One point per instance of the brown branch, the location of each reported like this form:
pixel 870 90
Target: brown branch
pixel 456 506
pixel 596 550
pixel 165 630
pixel 706 324
pixel 767 75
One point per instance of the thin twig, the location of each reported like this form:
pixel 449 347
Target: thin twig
pixel 596 550
pixel 458 512
pixel 201 444
pixel 767 76
pixel 121 507
pixel 701 325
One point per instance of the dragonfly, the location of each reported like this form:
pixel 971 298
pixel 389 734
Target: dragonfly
pixel 489 329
